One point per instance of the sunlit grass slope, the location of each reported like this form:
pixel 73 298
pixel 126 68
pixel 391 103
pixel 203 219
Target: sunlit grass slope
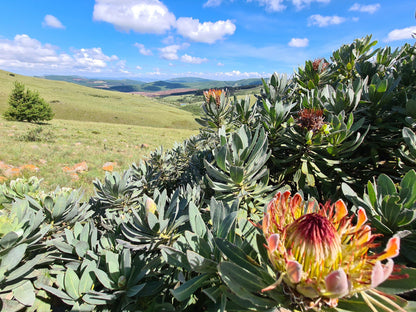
pixel 74 102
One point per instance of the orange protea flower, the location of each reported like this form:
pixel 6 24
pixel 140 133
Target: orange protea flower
pixel 321 254
pixel 311 119
pixel 213 95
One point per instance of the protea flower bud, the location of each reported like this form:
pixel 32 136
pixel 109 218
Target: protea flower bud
pixel 311 119
pixel 318 251
pixel 213 95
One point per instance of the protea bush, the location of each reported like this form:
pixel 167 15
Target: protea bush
pixel 303 200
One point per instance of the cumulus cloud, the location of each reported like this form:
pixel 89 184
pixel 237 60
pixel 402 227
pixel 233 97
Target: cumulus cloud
pixel 27 54
pixel 220 64
pixel 370 8
pixel 138 67
pixel 300 4
pixel 299 42
pixel 212 3
pixel 323 21
pixel 52 21
pixel 142 16
pixel 192 59
pixel 142 49
pixel 401 34
pixel 91 60
pixel 271 5
pixel 206 32
pixel 171 52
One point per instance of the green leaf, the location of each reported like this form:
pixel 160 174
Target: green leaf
pixel 13 257
pixel 96 298
pixel 25 294
pixel 87 280
pixel 238 256
pixel 227 224
pixel 175 257
pixel 245 284
pixel 72 284
pixel 113 267
pixel 237 174
pixel 184 291
pixel 195 219
pixel 382 86
pixel 220 158
pixel 104 279
pixel 133 291
pixel 10 238
pixel 81 248
pixel 200 264
pixel 385 185
pixel 408 189
pixel 56 292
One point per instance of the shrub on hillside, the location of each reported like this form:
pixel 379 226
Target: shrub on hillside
pixel 27 105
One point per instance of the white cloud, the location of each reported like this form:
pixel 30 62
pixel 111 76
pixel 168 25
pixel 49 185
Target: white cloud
pixel 170 52
pixel 206 32
pixel 300 4
pixel 370 8
pixel 138 67
pixel 142 49
pixel 168 40
pixel 52 21
pixel 299 42
pixel 30 56
pixel 142 16
pixel 236 74
pixel 192 59
pixel 271 5
pixel 212 3
pixel 401 34
pixel 220 64
pixel 323 21
pixel 92 60
pixel 121 65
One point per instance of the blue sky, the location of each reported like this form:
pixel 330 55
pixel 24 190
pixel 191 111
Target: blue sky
pixel 214 39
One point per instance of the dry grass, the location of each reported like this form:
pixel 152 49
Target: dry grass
pixel 64 143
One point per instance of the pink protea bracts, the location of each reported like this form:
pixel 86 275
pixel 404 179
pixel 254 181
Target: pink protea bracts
pixel 320 253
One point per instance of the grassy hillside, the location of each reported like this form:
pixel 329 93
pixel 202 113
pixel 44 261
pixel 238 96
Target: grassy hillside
pixel 74 102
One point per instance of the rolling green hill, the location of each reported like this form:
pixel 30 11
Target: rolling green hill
pixel 70 101
pixel 94 83
pixel 128 85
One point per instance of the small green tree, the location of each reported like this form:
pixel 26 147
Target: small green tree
pixel 25 104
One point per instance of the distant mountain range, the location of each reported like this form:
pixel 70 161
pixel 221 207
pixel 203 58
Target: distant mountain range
pixel 128 85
